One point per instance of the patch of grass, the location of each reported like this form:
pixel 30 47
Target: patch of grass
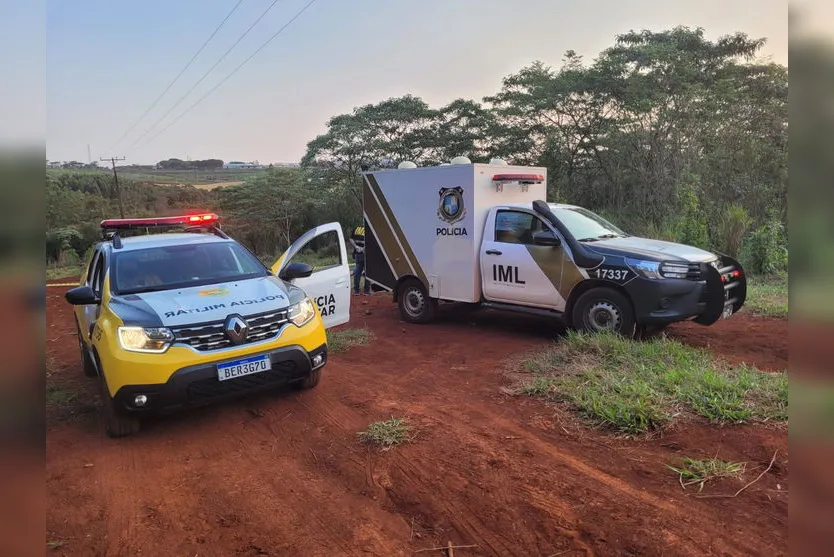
pixel 635 387
pixel 342 340
pixel 699 472
pixel 60 397
pixel 768 295
pixel 68 272
pixel 387 433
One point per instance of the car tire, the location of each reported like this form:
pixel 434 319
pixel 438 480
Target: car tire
pixel 117 423
pixel 414 303
pixel 602 310
pixel 310 381
pixel 87 362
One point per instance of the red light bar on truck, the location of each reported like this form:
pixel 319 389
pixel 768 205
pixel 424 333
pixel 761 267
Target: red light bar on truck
pixel 529 178
pixel 523 179
pixel 150 222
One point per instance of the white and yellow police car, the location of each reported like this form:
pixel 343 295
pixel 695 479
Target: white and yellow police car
pixel 185 318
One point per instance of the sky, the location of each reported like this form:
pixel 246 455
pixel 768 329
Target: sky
pixel 107 62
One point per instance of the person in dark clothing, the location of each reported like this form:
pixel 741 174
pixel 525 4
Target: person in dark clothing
pixel 357 239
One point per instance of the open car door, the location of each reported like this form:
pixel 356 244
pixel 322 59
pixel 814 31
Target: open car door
pixel 323 248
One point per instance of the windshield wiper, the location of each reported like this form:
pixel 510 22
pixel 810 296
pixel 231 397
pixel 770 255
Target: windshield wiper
pixel 602 237
pixel 146 289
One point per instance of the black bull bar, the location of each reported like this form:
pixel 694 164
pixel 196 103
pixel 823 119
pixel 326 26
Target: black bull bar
pixel 726 291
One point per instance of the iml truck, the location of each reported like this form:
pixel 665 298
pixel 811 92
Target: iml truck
pixel 483 234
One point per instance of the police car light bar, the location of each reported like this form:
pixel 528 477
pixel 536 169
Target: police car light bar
pixel 151 222
pixel 524 179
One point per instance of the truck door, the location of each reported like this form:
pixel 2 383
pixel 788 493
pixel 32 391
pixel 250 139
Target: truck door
pixel 324 249
pixel 513 268
pixel 87 315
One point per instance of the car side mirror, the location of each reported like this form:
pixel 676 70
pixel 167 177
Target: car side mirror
pixel 294 271
pixel 81 296
pixel 546 238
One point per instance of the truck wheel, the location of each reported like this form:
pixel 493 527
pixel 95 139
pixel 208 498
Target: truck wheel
pixel 117 423
pixel 602 310
pixel 86 361
pixel 310 381
pixel 414 303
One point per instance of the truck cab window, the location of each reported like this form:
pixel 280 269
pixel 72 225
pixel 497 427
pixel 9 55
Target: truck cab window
pixel 517 227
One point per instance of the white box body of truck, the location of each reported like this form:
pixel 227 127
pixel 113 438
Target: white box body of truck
pixel 429 222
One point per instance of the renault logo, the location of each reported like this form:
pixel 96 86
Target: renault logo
pixel 236 329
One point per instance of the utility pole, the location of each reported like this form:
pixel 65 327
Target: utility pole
pixel 116 181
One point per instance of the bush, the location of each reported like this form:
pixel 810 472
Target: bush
pixel 765 249
pixel 734 223
pixel 692 226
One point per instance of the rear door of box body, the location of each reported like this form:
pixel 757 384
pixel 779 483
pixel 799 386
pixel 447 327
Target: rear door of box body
pixel 421 222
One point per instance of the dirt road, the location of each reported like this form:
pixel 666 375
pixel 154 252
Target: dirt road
pixel 284 473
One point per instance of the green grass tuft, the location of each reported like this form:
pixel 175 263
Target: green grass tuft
pixel 636 387
pixel 386 434
pixel 342 340
pixel 768 295
pixel 699 472
pixel 57 396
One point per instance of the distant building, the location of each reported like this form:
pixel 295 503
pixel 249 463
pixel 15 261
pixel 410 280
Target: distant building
pixel 239 164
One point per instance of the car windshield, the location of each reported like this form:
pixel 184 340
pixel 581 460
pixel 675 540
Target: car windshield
pixel 585 225
pixel 168 267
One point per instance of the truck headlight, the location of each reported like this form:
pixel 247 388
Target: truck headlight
pixel 301 313
pixel 145 339
pixel 658 270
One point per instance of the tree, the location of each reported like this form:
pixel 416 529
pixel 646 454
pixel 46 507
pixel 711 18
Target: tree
pixel 268 212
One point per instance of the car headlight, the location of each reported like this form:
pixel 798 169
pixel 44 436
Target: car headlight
pixel 145 339
pixel 301 313
pixel 658 270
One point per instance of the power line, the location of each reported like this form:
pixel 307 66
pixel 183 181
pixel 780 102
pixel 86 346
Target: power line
pixel 205 74
pixel 181 72
pixel 201 99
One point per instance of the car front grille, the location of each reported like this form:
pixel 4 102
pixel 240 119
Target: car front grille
pixel 694 271
pixel 212 336
pixel 209 389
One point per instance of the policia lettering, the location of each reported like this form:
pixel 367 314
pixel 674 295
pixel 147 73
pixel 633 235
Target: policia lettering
pixel 183 311
pixel 506 273
pixel 327 304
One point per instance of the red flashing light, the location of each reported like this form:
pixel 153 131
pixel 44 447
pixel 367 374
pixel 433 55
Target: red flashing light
pixel 158 221
pixel 518 178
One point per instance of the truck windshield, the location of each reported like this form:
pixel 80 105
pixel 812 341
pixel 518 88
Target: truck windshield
pixel 585 225
pixel 182 266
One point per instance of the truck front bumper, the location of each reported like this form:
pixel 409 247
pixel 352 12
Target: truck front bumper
pixel 719 293
pixel 199 385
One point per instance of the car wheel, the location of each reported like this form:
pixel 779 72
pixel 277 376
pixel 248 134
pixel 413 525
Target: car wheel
pixel 414 303
pixel 87 362
pixel 310 381
pixel 117 423
pixel 604 310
